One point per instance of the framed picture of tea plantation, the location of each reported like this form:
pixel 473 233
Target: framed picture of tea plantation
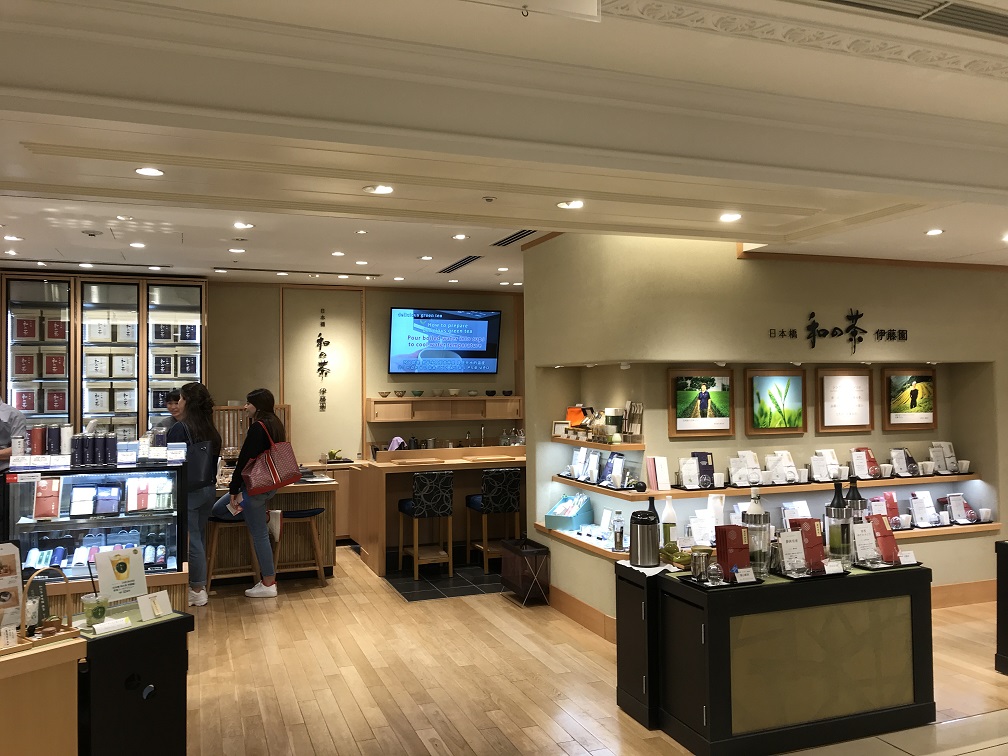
pixel 700 402
pixel 775 401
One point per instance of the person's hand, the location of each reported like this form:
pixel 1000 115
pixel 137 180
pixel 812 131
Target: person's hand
pixel 236 500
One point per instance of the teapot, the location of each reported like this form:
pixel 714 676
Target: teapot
pixel 413 443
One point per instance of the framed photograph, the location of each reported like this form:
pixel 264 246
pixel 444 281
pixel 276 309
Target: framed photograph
pixel 700 402
pixel 844 400
pixel 775 402
pixel 911 401
pixel 559 426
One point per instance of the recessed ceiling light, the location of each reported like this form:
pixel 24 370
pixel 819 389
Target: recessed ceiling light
pixel 137 245
pixel 343 275
pixel 10 252
pixel 398 278
pixel 85 265
pixel 460 237
pixel 362 262
pixel 570 205
pixel 283 274
pixel 40 264
pixel 11 237
pixel 124 217
pixel 505 283
pixel 730 217
pixel 153 267
pixel 219 270
pixel 236 250
pixel 150 172
pixel 517 283
pixel 426 257
pixel 452 280
pixel 242 226
pixel 337 253
pixel 501 270
pixel 378 189
pixel 1004 238
pixel 935 232
pixel 313 275
pixel 361 231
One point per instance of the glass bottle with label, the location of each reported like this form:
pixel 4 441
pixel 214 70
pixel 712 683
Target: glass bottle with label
pixel 839 519
pixel 618 542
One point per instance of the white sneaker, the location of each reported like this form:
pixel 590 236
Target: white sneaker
pixel 274 523
pixel 198 598
pixel 262 591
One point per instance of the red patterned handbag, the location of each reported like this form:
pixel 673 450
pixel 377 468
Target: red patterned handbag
pixel 274 468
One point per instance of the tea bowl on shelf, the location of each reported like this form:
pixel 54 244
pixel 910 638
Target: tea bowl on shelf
pixel 491 392
pixel 507 392
pixel 417 393
pixel 400 393
pixel 383 394
pixel 473 392
pixel 453 392
pixel 437 392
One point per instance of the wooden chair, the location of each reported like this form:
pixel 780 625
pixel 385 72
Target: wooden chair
pixel 216 525
pixel 432 498
pixel 301 518
pixel 500 494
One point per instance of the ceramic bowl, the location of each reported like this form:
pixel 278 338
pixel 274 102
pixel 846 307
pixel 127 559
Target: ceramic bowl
pixel 383 394
pixel 453 392
pixel 400 393
pixel 437 392
pixel 491 392
pixel 473 392
pixel 507 392
pixel 417 393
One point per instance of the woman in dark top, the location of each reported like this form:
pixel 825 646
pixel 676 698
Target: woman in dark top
pixel 195 424
pixel 237 504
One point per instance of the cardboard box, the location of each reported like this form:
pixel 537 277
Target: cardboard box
pixel 96 365
pixel 24 326
pixel 161 333
pixel 123 366
pixel 55 329
pixel 24 397
pixel 55 400
pixel 54 362
pixel 96 400
pixel 124 400
pixel 189 333
pixel 126 333
pixel 163 365
pixel 188 365
pixel 98 330
pixel 25 362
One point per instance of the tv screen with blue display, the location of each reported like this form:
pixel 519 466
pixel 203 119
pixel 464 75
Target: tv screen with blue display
pixel 443 341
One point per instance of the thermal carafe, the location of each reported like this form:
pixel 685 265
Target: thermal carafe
pixel 644 529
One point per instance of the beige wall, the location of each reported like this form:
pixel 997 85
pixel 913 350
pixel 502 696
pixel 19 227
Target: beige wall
pixel 684 302
pixel 243 339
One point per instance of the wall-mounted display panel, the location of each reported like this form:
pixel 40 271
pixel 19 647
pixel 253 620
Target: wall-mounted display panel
pixel 775 402
pixel 110 321
pixel 700 402
pixel 174 342
pixel 845 400
pixel 911 398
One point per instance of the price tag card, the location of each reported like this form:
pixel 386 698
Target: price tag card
pixel 792 551
pixel 685 543
pixel 20 461
pixel 833 566
pixel 126 457
pixel 879 507
pixel 39 460
pixel 154 605
pixel 176 455
pixel 59 460
pixel 28 477
pixel 907 557
pixel 864 540
pixel 745 575
pixel 158 453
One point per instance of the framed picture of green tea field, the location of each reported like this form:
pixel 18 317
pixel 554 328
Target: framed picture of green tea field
pixel 700 402
pixel 911 400
pixel 775 402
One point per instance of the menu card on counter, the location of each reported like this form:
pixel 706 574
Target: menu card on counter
pixel 792 550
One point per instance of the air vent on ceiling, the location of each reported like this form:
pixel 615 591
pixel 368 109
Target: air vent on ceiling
pixel 516 236
pixel 963 16
pixel 461 263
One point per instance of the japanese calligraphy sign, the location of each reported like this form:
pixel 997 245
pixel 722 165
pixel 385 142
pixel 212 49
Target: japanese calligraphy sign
pixel 844 400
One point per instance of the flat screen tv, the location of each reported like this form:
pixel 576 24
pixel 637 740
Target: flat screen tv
pixel 425 341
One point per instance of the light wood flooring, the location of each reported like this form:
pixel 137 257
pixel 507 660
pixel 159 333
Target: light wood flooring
pixel 354 669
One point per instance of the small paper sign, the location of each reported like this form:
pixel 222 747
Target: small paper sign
pixel 39 460
pixel 745 575
pixel 121 574
pixel 20 461
pixel 158 453
pixel 792 550
pixel 28 477
pixel 176 455
pixel 111 625
pixel 864 540
pixel 59 460
pixel 126 457
pixel 833 566
pixel 154 605
pixel 907 557
pixel 685 543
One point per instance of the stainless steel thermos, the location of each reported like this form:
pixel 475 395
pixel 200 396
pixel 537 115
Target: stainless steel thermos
pixel 644 529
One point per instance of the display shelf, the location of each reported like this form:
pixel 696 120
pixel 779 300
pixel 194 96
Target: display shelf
pixel 107 521
pixel 597 445
pixel 107 344
pixel 947 531
pixel 582 543
pixel 42 380
pixel 443 408
pixel 618 494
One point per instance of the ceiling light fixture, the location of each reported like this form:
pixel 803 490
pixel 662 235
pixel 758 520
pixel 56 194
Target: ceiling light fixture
pixel 426 257
pixel 313 275
pixel 153 267
pixel 505 283
pixel 11 237
pixel 85 265
pixel 624 366
pixel 379 189
pixel 337 253
pixel 343 275
pixel 283 274
pixel 460 237
pixel 241 225
pixel 150 172
pixel 502 270
pixel 361 262
pixel 361 231
pixel 935 232
pixel 124 217
pixel 137 245
pixel 730 217
pixel 236 250
pixel 517 283
pixel 41 264
pixel 1004 238
pixel 571 205
pixel 10 252
pixel 398 278
pixel 219 270
pixel 452 280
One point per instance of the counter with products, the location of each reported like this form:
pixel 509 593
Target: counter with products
pixel 779 665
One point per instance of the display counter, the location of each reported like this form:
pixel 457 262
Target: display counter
pixel 390 478
pixel 778 666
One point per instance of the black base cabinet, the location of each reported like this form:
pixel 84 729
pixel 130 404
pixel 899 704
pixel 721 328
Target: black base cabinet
pixel 134 681
pixel 1001 653
pixel 636 645
pixel 780 666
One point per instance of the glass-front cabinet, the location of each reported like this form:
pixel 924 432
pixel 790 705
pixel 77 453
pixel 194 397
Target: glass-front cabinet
pixel 109 357
pixel 62 518
pixel 38 354
pixel 174 339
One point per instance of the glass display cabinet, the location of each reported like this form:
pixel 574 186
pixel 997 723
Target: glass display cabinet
pixel 174 339
pixel 62 518
pixel 110 344
pixel 38 355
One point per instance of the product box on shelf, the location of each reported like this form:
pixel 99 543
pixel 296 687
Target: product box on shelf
pixel 570 513
pixel 96 400
pixel 55 400
pixel 189 333
pixel 159 399
pixel 55 327
pixel 54 362
pixel 126 333
pixel 161 333
pixel 123 365
pixel 124 400
pixel 163 365
pixel 23 397
pixel 98 331
pixel 188 365
pixel 25 362
pixel 124 428
pixel 96 365
pixel 24 326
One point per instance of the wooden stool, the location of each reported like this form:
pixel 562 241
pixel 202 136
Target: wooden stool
pixel 432 498
pixel 299 517
pixel 215 527
pixel 500 494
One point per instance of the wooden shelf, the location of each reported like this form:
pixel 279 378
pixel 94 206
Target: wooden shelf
pixel 596 445
pixel 443 408
pixel 950 531
pixel 605 491
pixel 582 543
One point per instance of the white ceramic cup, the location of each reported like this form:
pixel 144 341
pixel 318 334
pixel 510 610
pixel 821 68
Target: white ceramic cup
pixel 927 468
pixel 905 521
pixel 886 470
pixel 943 517
pixel 766 477
pixel 964 465
pixel 985 514
pixel 844 472
pixel 803 475
pixel 718 480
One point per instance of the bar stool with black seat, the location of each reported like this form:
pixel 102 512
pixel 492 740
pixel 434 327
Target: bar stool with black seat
pixel 216 525
pixel 500 494
pixel 432 497
pixel 299 561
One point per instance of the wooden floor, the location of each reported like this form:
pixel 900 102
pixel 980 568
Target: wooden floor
pixel 354 669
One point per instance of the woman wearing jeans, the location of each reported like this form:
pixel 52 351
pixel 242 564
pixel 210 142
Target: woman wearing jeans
pixel 195 424
pixel 239 505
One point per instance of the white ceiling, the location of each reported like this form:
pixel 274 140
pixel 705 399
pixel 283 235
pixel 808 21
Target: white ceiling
pixel 64 171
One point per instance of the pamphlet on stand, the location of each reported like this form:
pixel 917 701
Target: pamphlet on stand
pixel 923 510
pixel 832 463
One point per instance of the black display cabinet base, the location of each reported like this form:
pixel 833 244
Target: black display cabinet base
pixel 1001 657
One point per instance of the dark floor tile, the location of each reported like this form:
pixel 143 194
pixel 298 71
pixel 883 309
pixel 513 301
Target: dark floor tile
pixel 404 578
pixel 411 587
pixel 490 588
pixel 423 595
pixel 466 590
pixel 481 579
pixel 469 569
pixel 441 582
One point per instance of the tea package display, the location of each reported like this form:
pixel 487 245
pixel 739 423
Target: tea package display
pixel 864 463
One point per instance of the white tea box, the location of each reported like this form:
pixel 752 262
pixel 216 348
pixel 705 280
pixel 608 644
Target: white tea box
pixel 98 330
pixel 96 400
pixel 123 365
pixel 126 333
pixel 124 400
pixel 96 365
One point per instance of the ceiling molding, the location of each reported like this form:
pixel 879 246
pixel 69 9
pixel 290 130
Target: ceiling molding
pixel 808 35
